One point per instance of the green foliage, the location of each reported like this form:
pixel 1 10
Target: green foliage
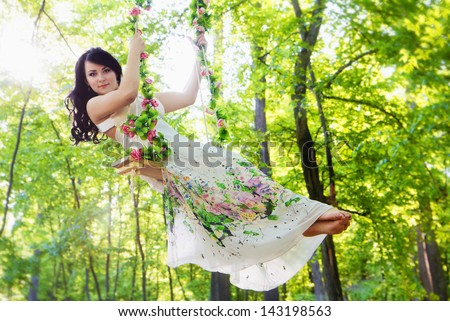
pixel 381 69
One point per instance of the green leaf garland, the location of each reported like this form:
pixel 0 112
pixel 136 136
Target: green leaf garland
pixel 143 125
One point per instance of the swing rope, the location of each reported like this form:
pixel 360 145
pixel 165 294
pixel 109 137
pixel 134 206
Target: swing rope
pixel 202 101
pixel 201 21
pixel 143 125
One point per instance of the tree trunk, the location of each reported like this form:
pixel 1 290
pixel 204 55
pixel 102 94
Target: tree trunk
pixel 181 286
pixel 94 275
pixel 316 274
pixel 13 162
pixel 172 295
pixel 108 254
pixel 86 284
pixel 133 277
pixel 119 244
pixel 305 142
pixel 309 33
pixel 326 134
pixel 431 272
pixel 35 266
pixel 19 130
pixel 261 126
pixel 220 287
pixel 330 271
pixel 139 244
pixel 59 272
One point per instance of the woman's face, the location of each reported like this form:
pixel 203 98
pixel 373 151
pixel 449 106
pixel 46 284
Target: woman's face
pixel 101 79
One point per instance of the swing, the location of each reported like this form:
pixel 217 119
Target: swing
pixel 225 217
pixel 143 124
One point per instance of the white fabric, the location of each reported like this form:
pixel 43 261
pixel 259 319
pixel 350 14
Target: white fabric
pixel 258 253
pixel 119 118
pixel 105 125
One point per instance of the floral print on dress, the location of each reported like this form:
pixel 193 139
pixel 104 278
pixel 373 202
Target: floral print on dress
pixel 242 199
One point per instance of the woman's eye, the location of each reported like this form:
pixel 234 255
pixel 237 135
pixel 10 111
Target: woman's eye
pixel 92 74
pixel 106 70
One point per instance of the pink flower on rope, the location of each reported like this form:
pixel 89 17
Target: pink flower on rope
pixel 151 134
pixel 145 102
pixel 131 122
pixel 206 2
pixel 154 103
pixel 135 12
pixel 150 80
pixel 206 72
pixel 200 29
pixel 201 11
pixel 221 123
pixel 209 111
pixel 136 154
pixel 127 131
pixel 218 84
pixel 195 22
pixel 144 55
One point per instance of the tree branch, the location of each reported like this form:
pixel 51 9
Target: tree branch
pixel 297 10
pixel 231 8
pixel 69 170
pixel 60 33
pixel 367 103
pixel 13 161
pixel 19 132
pixel 36 22
pixel 281 42
pixel 318 96
pixel 299 14
pixel 348 64
pixel 317 19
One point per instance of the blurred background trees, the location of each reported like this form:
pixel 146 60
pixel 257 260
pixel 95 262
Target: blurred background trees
pixel 345 101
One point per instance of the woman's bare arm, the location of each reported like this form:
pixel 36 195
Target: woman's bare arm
pixel 102 106
pixel 174 100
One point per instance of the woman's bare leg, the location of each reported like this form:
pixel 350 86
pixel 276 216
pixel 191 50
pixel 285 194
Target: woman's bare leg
pixel 152 172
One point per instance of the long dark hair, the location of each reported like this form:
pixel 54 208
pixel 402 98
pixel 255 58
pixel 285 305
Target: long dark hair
pixel 83 129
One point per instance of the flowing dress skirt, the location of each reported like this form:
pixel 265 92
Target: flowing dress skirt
pixel 225 215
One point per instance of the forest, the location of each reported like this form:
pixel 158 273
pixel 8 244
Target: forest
pixel 343 101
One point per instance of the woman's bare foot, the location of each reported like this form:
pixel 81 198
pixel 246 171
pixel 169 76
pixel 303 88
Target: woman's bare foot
pixel 334 215
pixel 327 227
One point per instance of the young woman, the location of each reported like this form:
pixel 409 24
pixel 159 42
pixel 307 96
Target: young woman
pixel 223 213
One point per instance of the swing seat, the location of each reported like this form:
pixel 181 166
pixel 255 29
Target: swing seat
pixel 128 164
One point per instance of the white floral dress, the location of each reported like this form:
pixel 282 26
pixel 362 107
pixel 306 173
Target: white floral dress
pixel 225 215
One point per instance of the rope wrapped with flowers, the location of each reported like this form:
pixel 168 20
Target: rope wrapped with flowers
pixel 143 125
pixel 201 21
